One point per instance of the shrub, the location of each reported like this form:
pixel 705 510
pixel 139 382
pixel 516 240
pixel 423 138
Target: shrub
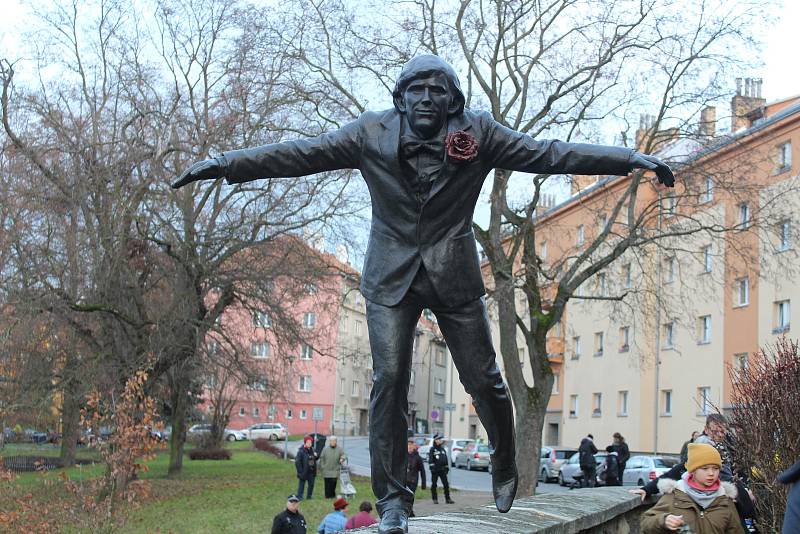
pixel 210 454
pixel 268 446
pixel 766 429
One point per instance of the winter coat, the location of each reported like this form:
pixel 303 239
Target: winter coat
pixel 719 517
pixel 437 459
pixel 611 473
pixel 305 462
pixel 587 450
pixel 288 522
pixel 415 469
pixel 361 519
pixel 623 452
pixel 791 521
pixel 333 522
pixel 330 461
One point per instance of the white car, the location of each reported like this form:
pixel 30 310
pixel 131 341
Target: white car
pixel 228 434
pixel 457 445
pixel 271 431
pixel 639 470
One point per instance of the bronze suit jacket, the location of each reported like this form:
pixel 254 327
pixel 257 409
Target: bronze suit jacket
pixel 438 232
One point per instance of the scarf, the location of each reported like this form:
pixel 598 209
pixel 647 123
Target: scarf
pixel 698 493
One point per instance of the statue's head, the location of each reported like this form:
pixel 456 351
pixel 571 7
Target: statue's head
pixel 427 93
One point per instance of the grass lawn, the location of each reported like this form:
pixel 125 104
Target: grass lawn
pixel 240 495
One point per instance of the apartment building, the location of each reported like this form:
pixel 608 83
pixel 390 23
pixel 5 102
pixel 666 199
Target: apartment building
pixel 652 365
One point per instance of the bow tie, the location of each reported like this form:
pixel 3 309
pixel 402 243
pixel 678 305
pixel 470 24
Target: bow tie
pixel 411 146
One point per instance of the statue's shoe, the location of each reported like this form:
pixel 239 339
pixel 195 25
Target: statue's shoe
pixel 393 522
pixel 504 486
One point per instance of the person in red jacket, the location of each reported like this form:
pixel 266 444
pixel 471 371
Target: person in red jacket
pixel 362 519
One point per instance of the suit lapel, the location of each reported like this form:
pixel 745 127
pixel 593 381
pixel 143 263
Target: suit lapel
pixel 450 167
pixel 389 143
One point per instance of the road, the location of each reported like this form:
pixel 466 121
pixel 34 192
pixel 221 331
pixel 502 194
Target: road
pixel 357 449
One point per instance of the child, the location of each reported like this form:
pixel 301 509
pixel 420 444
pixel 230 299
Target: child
pixel 698 502
pixel 611 472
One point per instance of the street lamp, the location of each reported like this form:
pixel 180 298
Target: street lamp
pixel 290 359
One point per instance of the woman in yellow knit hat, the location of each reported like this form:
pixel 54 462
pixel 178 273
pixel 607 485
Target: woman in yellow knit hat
pixel 697 503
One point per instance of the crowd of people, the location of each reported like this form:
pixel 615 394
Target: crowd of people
pixel 616 459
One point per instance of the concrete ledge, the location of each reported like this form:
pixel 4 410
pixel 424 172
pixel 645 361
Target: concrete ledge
pixel 606 510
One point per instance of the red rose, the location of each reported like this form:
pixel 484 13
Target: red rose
pixel 461 146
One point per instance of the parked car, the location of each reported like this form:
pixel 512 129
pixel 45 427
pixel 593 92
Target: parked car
pixel 475 456
pixel 640 470
pixel 426 442
pixel 36 436
pixel 550 461
pixel 228 434
pixel 271 431
pixel 572 468
pixel 455 446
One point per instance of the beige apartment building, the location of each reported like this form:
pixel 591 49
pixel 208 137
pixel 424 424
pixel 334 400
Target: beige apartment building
pixel 698 306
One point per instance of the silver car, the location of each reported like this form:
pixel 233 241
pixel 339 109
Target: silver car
pixel 270 431
pixel 474 456
pixel 572 468
pixel 455 446
pixel 639 470
pixel 551 460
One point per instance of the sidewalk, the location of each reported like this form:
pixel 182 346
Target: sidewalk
pixel 465 500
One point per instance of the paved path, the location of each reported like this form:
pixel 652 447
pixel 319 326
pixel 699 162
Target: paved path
pixel 357 449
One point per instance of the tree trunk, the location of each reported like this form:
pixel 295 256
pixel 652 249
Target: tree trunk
pixel 180 408
pixel 70 423
pixel 529 422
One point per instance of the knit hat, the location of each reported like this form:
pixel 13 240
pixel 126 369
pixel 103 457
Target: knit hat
pixel 340 503
pixel 308 438
pixel 701 454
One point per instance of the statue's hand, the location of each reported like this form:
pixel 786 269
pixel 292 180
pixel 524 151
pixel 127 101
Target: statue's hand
pixel 202 170
pixel 662 170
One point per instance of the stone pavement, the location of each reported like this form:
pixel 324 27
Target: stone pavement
pixel 465 500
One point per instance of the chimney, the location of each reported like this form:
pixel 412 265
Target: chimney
pixel 746 104
pixel 708 122
pixel 645 128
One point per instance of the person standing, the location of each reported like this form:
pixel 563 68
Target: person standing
pixel 330 462
pixel 685 449
pixel 336 520
pixel 610 474
pixel 440 466
pixel 290 521
pixel 305 463
pixel 791 519
pixel 588 464
pixel 414 470
pixel 362 519
pixel 623 453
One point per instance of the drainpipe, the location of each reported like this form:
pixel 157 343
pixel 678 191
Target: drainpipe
pixel 658 327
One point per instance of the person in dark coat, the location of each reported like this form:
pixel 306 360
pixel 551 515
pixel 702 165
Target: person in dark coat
pixel 685 449
pixel 588 464
pixel 290 521
pixel 611 472
pixel 623 454
pixel 791 520
pixel 440 466
pixel 414 470
pixel 305 462
pixel 425 162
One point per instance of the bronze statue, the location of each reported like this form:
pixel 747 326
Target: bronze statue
pixel 424 163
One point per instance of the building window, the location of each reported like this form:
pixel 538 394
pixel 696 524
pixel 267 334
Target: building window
pixel 305 383
pixel 704 400
pixel 785 156
pixel 626 275
pixel 310 319
pixel 259 350
pixel 598 343
pixel 744 215
pixel 742 292
pixel 573 406
pixel 670 202
pixel 303 414
pixel 556 377
pixel 212 348
pixel 601 284
pixel 311 289
pixel 704 329
pixel 708 191
pixel 413 378
pixel 342 385
pixel 367 389
pixel 782 317
pixel 624 339
pixel 306 352
pixel 707 259
pixel 289 413
pixel 354 391
pixel 272 411
pixel 669 335
pixel 256 411
pixel 666 402
pixel 543 251
pixel 241 411
pixel 580 235
pixel 359 328
pixel 601 223
pixel 669 269
pixel 623 404
pixel 261 320
pixel 576 347
pixel 439 386
pixel 597 404
pixel 740 361
pixel 784 235
pixel 440 357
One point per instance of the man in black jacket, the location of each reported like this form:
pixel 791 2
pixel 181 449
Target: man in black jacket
pixel 290 521
pixel 440 466
pixel 424 163
pixel 588 464
pixel 414 470
pixel 623 454
pixel 305 463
